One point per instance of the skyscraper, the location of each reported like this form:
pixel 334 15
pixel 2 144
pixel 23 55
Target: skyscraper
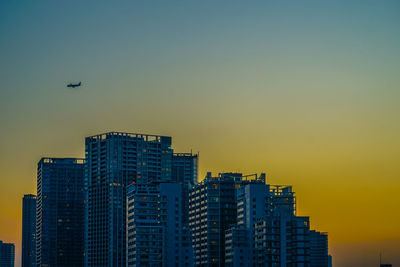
pixel 318 249
pixel 7 254
pixel 155 233
pixel 251 204
pixel 185 168
pixel 268 231
pixel 185 172
pixel 212 209
pixel 281 241
pixel 28 231
pixel 115 160
pixel 60 212
pixel 238 249
pixel 146 231
pixel 278 236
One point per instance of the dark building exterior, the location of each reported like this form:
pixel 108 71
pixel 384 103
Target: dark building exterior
pixel 212 210
pixel 281 242
pixel 115 160
pixel 266 220
pixel 277 236
pixel 238 247
pixel 155 234
pixel 146 231
pixel 281 237
pixel 268 231
pixel 251 204
pixel 185 172
pixel 60 212
pixel 28 257
pixel 7 254
pixel 318 249
pixel 185 168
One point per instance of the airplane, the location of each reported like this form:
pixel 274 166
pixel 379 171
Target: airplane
pixel 73 85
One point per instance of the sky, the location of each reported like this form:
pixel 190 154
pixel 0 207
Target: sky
pixel 306 91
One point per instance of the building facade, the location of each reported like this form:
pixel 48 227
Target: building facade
pixel 28 255
pixel 280 237
pixel 281 242
pixel 251 204
pixel 212 210
pixel 60 212
pixel 185 168
pixel 238 247
pixel 155 234
pixel 185 172
pixel 269 232
pixel 7 254
pixel 146 231
pixel 319 249
pixel 115 160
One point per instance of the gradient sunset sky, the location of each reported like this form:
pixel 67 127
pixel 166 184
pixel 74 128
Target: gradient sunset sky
pixel 306 91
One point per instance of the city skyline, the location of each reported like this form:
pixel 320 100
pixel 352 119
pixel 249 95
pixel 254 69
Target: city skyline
pixel 120 141
pixel 81 205
pixel 304 92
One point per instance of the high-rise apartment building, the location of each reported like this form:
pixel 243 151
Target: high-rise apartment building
pixel 115 160
pixel 318 249
pixel 60 212
pixel 251 204
pixel 238 248
pixel 185 168
pixel 146 231
pixel 280 242
pixel 268 231
pixel 278 236
pixel 155 234
pixel 28 255
pixel 7 254
pixel 185 172
pixel 212 210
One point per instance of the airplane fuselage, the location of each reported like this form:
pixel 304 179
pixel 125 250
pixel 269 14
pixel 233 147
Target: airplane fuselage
pixel 72 85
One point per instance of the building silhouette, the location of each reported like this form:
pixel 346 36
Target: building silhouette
pixel 212 210
pixel 319 249
pixel 185 169
pixel 268 232
pixel 238 247
pixel 185 172
pixel 266 218
pixel 134 202
pixel 7 254
pixel 155 234
pixel 251 204
pixel 28 231
pixel 60 212
pixel 281 237
pixel 115 160
pixel 281 242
